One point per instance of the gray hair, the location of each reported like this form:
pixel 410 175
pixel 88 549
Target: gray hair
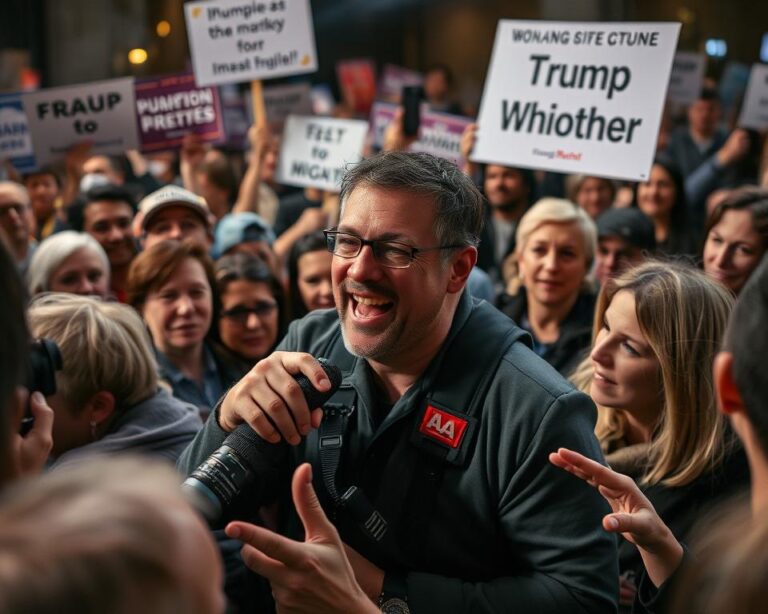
pixel 458 202
pixel 55 250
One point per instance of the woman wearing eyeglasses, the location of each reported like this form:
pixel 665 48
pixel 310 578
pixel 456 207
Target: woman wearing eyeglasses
pixel 252 310
pixel 172 285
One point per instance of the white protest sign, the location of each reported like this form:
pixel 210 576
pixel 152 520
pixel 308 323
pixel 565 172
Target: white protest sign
pixel 754 113
pixel 246 40
pixel 102 113
pixel 576 97
pixel 316 150
pixel 687 77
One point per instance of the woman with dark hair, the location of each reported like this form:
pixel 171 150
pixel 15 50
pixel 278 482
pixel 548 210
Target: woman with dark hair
pixel 252 318
pixel 309 275
pixel 736 237
pixel 173 286
pixel 662 199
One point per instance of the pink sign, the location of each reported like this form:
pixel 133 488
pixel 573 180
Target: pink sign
pixel 169 107
pixel 439 133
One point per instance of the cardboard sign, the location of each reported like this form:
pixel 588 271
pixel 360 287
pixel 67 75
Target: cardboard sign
pixel 394 79
pixel 102 113
pixel 576 97
pixel 246 40
pixel 357 82
pixel 15 140
pixel 754 113
pixel 170 107
pixel 316 150
pixel 284 100
pixel 439 133
pixel 687 77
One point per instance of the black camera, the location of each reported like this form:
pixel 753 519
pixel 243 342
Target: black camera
pixel 44 361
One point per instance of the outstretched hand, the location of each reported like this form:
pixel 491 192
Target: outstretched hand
pixel 311 576
pixel 633 515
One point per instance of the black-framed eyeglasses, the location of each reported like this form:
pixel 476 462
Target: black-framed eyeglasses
pixel 392 254
pixel 241 314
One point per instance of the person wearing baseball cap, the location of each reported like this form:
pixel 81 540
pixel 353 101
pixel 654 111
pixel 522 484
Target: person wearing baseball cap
pixel 174 213
pixel 624 237
pixel 246 233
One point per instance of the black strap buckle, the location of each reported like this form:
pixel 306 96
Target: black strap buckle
pixel 363 513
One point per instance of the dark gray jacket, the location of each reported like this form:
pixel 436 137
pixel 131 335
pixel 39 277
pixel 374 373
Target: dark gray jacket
pixel 161 426
pixel 508 531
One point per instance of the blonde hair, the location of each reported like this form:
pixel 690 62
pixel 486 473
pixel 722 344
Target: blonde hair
pixel 549 211
pixel 104 346
pixel 96 537
pixel 683 315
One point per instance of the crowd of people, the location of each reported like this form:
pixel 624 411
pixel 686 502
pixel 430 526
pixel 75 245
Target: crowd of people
pixel 493 326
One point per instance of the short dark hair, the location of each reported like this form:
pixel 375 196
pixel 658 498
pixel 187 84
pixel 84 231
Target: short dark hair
pixel 709 93
pixel 747 340
pixel 247 267
pixel 749 198
pixel 441 68
pixel 458 202
pixel 13 358
pixel 43 170
pixel 99 193
pixel 312 242
pixel 220 172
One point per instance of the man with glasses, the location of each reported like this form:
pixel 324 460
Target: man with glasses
pixel 439 484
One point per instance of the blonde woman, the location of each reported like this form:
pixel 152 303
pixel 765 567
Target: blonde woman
pixel 549 294
pixel 107 397
pixel 657 330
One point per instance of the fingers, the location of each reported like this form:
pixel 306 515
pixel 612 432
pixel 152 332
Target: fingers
pixel 265 552
pixel 317 527
pixel 597 474
pixel 43 420
pixel 270 399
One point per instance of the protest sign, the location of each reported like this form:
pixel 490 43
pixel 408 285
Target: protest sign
pixel 357 82
pixel 281 101
pixel 15 141
pixel 439 133
pixel 394 79
pixel 102 113
pixel 235 115
pixel 576 97
pixel 687 77
pixel 245 40
pixel 170 107
pixel 754 113
pixel 315 150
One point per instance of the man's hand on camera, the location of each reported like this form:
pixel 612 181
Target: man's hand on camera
pixel 272 402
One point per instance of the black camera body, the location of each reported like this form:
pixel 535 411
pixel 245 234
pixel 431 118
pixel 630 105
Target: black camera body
pixel 44 361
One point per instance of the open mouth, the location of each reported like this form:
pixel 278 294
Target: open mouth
pixel 369 308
